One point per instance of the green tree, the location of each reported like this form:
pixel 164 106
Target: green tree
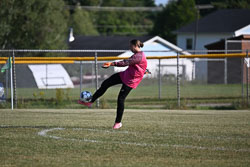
pixel 33 24
pixel 82 23
pixel 119 22
pixel 174 15
pixel 124 22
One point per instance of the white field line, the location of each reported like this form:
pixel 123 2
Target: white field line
pixel 44 134
pixel 158 134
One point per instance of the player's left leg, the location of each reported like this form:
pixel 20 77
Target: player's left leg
pixel 120 105
pixel 111 81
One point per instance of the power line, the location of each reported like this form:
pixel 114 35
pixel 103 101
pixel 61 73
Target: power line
pixel 109 8
pixel 124 26
pixel 118 8
pixel 207 6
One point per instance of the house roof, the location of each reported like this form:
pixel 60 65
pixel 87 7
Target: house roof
pixel 113 43
pixel 220 45
pixel 103 43
pixel 221 21
pixel 162 48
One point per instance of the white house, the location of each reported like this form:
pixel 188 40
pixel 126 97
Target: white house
pixel 158 46
pixel 151 43
pixel 218 25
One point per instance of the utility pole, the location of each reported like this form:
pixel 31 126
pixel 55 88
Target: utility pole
pixel 198 8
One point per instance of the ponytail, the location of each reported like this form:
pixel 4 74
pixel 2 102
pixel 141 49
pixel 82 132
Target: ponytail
pixel 136 42
pixel 141 44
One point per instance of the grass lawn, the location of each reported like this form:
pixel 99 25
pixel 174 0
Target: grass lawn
pixel 145 96
pixel 66 137
pixel 144 91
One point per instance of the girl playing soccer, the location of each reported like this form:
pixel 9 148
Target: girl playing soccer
pixel 130 79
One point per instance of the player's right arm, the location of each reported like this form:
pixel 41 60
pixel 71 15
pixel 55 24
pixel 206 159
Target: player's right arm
pixel 135 59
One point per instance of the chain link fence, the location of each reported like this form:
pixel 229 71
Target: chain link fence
pixel 190 83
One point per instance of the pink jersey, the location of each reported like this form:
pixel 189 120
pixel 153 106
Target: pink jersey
pixel 137 65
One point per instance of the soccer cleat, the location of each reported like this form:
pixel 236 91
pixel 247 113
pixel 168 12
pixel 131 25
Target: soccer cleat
pixel 88 104
pixel 117 125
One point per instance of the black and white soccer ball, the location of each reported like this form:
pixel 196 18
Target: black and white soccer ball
pixel 85 96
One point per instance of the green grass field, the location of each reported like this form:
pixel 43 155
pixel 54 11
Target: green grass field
pixel 145 96
pixel 145 90
pixel 46 137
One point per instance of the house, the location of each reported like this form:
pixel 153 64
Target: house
pixel 235 71
pixel 168 66
pixel 151 45
pixel 218 25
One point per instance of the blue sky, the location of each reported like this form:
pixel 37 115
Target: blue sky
pixel 157 2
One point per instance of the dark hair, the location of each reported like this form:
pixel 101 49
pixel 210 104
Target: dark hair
pixel 136 42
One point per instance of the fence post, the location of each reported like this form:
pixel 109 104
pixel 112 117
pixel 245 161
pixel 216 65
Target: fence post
pixel 96 77
pixel 80 76
pixel 225 64
pixel 7 83
pixel 11 85
pixel 178 82
pixel 159 79
pixel 242 79
pixel 11 81
pixel 46 75
pixel 14 79
pixel 193 69
pixel 225 75
pixel 247 79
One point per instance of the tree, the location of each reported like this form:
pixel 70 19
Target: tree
pixel 174 15
pixel 33 24
pixel 124 22
pixel 119 22
pixel 82 23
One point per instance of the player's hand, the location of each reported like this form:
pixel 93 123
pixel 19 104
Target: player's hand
pixel 147 71
pixel 106 65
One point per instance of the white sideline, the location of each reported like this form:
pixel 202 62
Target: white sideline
pixel 44 134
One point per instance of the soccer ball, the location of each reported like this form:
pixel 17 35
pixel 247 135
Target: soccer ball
pixel 85 96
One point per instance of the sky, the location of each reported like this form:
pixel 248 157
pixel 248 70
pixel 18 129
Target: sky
pixel 158 2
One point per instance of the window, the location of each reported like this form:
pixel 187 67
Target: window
pixel 189 43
